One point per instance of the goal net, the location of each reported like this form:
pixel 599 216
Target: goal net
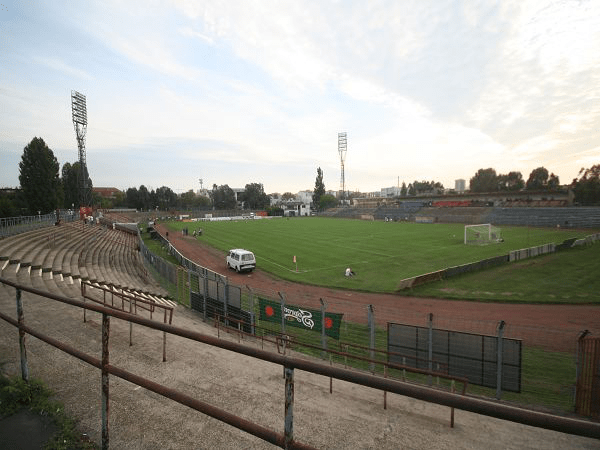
pixel 482 234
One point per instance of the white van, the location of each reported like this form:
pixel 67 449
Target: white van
pixel 241 260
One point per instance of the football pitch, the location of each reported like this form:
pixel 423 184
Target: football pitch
pixel 317 250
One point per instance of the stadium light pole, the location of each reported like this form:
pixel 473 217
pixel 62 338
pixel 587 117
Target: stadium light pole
pixel 342 148
pixel 79 114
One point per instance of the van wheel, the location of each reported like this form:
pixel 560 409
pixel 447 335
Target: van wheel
pixel 237 269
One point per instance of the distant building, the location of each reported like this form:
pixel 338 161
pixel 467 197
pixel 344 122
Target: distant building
pixel 291 209
pixel 109 193
pixel 459 185
pixel 305 197
pixel 393 191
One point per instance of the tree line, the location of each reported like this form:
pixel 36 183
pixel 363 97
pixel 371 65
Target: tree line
pixel 486 180
pixel 44 188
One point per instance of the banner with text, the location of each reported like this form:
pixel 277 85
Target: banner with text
pixel 301 317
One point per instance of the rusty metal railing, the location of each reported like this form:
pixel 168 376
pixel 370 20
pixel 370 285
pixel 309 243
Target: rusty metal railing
pixel 134 302
pixel 289 363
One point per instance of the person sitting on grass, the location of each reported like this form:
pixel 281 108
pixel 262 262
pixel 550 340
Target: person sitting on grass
pixel 349 272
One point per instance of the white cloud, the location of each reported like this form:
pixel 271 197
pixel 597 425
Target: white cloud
pixel 187 31
pixel 61 66
pixel 531 149
pixel 589 158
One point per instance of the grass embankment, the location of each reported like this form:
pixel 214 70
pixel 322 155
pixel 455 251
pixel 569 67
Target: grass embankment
pixel 569 276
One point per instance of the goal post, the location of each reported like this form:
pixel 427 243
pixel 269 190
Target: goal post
pixel 482 234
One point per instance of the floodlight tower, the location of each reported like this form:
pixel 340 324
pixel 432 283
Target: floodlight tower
pixel 80 124
pixel 342 148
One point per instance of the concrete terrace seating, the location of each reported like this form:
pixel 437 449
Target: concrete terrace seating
pixel 405 211
pixel 568 217
pixel 55 258
pixel 353 213
pixel 458 214
pixel 12 248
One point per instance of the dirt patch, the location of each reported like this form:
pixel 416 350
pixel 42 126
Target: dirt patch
pixel 26 430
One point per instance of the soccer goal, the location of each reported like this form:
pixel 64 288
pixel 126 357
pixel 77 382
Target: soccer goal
pixel 481 234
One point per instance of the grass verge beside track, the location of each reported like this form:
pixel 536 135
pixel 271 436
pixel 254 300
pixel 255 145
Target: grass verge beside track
pixel 569 276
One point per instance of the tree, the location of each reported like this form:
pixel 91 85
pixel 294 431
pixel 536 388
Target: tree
pixel 403 189
pixel 187 199
pixel 319 190
pixel 71 184
pixel 38 175
pixel 511 182
pixel 424 187
pixel 288 196
pixel 485 180
pixel 144 200
pixel 132 198
pixel 587 187
pixel 119 200
pixel 538 179
pixel 165 198
pixel 10 202
pixel 553 182
pixel 327 201
pixel 223 197
pixel 255 196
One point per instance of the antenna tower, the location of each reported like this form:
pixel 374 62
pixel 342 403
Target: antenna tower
pixel 80 124
pixel 342 148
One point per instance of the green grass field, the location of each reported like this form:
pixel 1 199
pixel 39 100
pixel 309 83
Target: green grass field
pixel 381 253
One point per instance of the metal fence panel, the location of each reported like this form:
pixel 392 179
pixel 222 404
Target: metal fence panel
pixel 235 296
pixel 213 288
pixel 468 355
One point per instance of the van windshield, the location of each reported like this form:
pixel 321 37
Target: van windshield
pixel 247 257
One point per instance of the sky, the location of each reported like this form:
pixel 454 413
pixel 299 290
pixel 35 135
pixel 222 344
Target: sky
pixel 237 92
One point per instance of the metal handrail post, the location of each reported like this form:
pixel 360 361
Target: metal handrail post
pixel 23 348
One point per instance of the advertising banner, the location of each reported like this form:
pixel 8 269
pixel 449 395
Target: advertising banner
pixel 301 317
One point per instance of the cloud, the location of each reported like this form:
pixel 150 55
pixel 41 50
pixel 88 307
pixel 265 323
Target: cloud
pixel 589 158
pixel 187 31
pixel 61 66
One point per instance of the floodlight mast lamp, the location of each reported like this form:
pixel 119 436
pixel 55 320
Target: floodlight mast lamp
pixel 79 111
pixel 342 148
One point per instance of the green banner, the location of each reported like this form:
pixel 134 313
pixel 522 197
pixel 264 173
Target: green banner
pixel 301 317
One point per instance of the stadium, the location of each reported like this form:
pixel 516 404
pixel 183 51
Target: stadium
pixel 381 364
pixel 438 298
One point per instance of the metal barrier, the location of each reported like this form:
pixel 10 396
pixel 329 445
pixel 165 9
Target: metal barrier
pixel 285 439
pixel 134 301
pixel 15 225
